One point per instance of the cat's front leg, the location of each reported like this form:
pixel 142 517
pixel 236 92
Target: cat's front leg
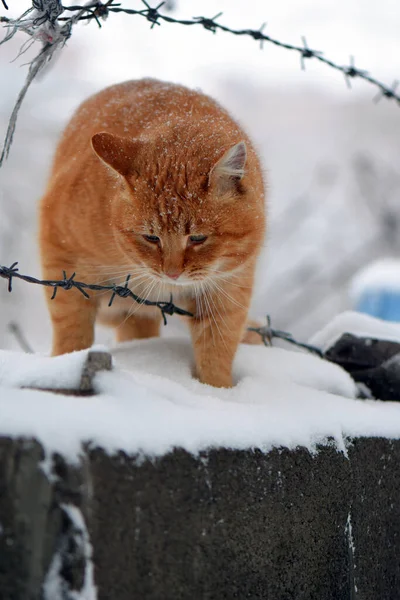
pixel 72 316
pixel 217 330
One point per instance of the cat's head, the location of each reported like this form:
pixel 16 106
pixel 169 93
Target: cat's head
pixel 182 216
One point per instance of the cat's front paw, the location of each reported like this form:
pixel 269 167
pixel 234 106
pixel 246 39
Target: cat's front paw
pixel 219 380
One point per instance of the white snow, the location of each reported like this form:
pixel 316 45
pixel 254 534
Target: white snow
pixel 380 275
pixel 151 403
pixel 357 324
pixel 61 372
pixel 54 587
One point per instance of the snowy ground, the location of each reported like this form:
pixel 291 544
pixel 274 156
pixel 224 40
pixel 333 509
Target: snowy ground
pixel 150 402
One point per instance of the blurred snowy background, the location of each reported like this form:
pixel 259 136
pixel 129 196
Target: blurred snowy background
pixel 331 155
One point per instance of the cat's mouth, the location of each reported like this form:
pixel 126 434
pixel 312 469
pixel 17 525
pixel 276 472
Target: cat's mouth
pixel 181 281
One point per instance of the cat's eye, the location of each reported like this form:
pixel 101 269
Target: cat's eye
pixel 154 239
pixel 197 239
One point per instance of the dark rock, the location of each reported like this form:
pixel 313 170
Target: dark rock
pixel 227 524
pixel 384 381
pixel 372 362
pixel 96 361
pixel 32 521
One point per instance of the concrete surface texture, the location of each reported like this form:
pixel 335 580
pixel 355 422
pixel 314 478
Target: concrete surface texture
pixel 225 524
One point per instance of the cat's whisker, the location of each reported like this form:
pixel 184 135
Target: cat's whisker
pixel 98 266
pixel 203 309
pixel 237 273
pixel 119 282
pixel 213 310
pixel 145 296
pixel 123 275
pixel 160 285
pixel 229 282
pixel 220 316
pixel 106 274
pixel 197 299
pixel 214 307
pixel 199 308
pixel 210 312
pixel 119 271
pixel 227 276
pixel 135 307
pixel 228 296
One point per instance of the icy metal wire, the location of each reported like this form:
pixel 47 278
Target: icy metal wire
pixel 267 334
pixel 67 283
pixel 98 9
pixel 42 22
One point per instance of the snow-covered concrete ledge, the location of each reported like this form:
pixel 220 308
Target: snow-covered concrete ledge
pixel 149 403
pixel 223 524
pixel 157 486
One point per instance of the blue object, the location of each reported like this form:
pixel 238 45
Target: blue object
pixel 381 303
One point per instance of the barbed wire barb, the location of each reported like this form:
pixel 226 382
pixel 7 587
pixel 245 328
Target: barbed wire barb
pixel 267 334
pixel 387 93
pixel 260 31
pixel 307 53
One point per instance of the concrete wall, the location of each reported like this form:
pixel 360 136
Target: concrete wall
pixel 228 524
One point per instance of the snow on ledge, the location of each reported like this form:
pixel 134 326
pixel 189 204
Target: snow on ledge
pixel 358 324
pixel 33 370
pixel 150 403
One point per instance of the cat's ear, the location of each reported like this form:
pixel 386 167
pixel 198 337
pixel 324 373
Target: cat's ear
pixel 117 152
pixel 230 169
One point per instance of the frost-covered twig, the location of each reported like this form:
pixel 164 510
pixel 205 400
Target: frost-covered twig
pixel 40 22
pixel 15 329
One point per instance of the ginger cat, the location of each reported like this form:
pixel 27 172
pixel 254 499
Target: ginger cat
pixel 157 181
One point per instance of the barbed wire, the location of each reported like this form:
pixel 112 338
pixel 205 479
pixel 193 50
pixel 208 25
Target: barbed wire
pixel 68 283
pixel 98 9
pixel 266 332
pixel 44 26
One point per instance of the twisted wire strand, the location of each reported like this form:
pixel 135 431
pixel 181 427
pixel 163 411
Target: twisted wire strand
pixel 68 283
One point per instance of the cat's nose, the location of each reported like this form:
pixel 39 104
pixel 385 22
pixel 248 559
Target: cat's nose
pixel 173 274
